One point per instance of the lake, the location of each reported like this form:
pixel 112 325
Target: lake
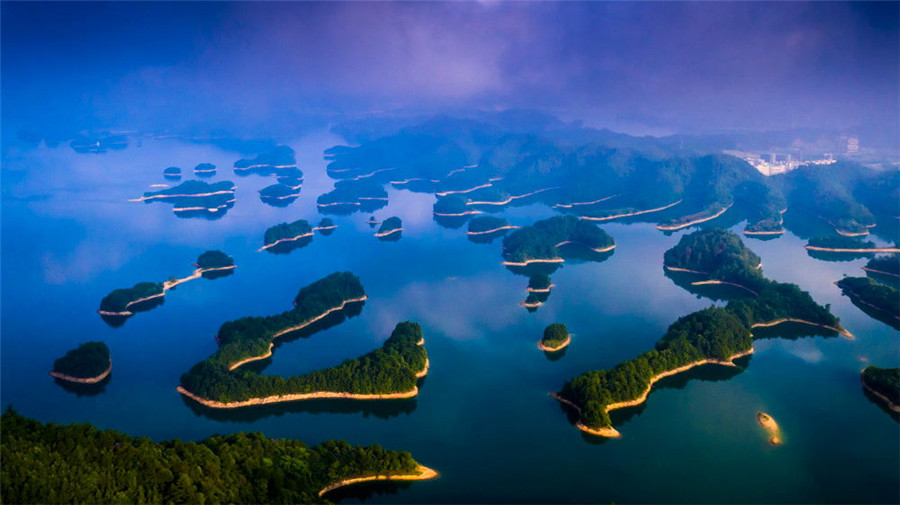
pixel 483 417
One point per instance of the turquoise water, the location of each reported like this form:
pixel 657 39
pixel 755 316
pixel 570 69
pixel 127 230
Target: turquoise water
pixel 483 417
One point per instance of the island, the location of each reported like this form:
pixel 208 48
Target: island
pixel 771 427
pixel 540 242
pixel 205 170
pixel 879 301
pixel 885 269
pixel 325 227
pixel 279 161
pixel 484 229
pixel 195 198
pixel 844 244
pixel 106 466
pixel 708 213
pixel 215 264
pixel 279 195
pixel 172 173
pixel 285 237
pixel 389 372
pixel 556 338
pixel 539 283
pixel 390 230
pixel 884 384
pixel 716 335
pixel 88 363
pixel 535 300
pixel 349 196
pixel 97 144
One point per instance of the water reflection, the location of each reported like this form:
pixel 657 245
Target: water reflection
pixel 381 409
pixel 79 389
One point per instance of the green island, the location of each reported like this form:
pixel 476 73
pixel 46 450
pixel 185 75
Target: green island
pixel 389 372
pixel 484 229
pixel 215 264
pixel 885 269
pixel 540 242
pixel 172 173
pixel 285 237
pixel 205 170
pixel 539 283
pixel 127 301
pixel 326 226
pixel 879 301
pixel 78 463
pixel 349 196
pixel 88 363
pixel 884 384
pixel 710 336
pixel 556 338
pixel 279 195
pixel 390 230
pixel 453 206
pixel 195 198
pixel 279 161
pixel 844 244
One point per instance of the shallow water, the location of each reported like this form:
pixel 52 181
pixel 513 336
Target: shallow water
pixel 483 417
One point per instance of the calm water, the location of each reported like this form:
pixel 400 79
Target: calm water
pixel 483 417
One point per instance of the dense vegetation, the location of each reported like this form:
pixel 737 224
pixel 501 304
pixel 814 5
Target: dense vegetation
pixel 214 259
pixel 391 223
pixel 278 195
pixel 483 224
pixel 883 380
pixel 205 170
pixel 539 282
pixel 713 333
pixel 451 205
pixel 540 240
pixel 555 335
pixel 887 264
pixel 50 463
pixel 89 359
pixel 287 230
pixel 196 198
pixel 173 173
pixel 118 300
pixel 840 242
pixel 326 226
pixel 878 300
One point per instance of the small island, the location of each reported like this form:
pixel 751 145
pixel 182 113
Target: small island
pixel 283 470
pixel 89 363
pixel 279 195
pixel 708 213
pixel 215 264
pixel 205 170
pixel 540 242
pixel 453 206
pixel 390 372
pixel 390 230
pixel 884 384
pixel 879 301
pixel 325 227
pixel 195 198
pixel 484 229
pixel 845 244
pixel 771 427
pixel 279 161
pixel 349 196
pixel 126 301
pixel 285 237
pixel 556 338
pixel 172 173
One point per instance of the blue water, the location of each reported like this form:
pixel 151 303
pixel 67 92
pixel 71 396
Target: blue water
pixel 483 417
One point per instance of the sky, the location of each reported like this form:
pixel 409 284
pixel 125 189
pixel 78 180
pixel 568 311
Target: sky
pixel 260 67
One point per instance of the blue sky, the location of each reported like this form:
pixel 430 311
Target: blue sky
pixel 697 66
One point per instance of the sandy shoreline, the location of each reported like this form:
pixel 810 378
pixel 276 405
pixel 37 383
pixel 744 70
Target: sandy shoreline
pixel 777 232
pixel 879 272
pixel 167 285
pixel 842 331
pixel 769 424
pixel 561 346
pixel 628 214
pixel 672 227
pixel 891 405
pixel 198 195
pixel 510 198
pixel 528 262
pixel 389 232
pixel 289 239
pixel 424 473
pixel 485 232
pixel 461 191
pixel 573 204
pixel 600 250
pixel 612 432
pixel 840 250
pixel 84 380
pixel 541 290
pixel 725 283
pixel 677 269
pixel 459 214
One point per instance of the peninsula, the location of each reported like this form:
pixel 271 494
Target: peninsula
pixel 282 470
pixel 285 237
pixel 89 363
pixel 539 242
pixel 195 198
pixel 879 301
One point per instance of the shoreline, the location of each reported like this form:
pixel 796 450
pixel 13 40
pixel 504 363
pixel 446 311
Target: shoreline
pixel 83 380
pixel 562 346
pixel 879 272
pixel 495 230
pixel 425 473
pixel 839 330
pixel 462 191
pixel 528 262
pixel 891 405
pixel 842 250
pixel 776 232
pixel 389 232
pixel 629 214
pixel 573 204
pixel 611 432
pixel 459 214
pixel 198 195
pixel 673 227
pixel 677 269
pixel 600 250
pixel 541 290
pixel 533 305
pixel 289 239
pixel 726 283
pixel 771 427
pixel 510 198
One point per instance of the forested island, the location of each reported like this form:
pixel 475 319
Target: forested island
pixel 879 301
pixel 390 230
pixel 195 198
pixel 884 383
pixel 350 196
pixel 89 363
pixel 388 372
pixel 279 195
pixel 540 242
pixel 285 237
pixel 326 226
pixel 205 170
pixel 843 244
pixel 556 338
pixel 280 161
pixel 885 269
pixel 78 463
pixel 484 229
pixel 127 301
pixel 711 336
pixel 172 173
